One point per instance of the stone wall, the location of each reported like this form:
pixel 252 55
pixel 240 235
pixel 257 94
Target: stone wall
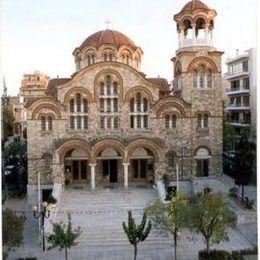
pixel 184 139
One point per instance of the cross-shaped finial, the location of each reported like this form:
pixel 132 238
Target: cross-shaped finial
pixel 107 22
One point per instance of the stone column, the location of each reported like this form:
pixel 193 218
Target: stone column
pixel 193 25
pixel 126 174
pixel 93 175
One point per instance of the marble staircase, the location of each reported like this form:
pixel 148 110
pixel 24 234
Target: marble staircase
pixel 100 214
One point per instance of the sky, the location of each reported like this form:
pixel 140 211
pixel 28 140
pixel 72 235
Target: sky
pixel 41 35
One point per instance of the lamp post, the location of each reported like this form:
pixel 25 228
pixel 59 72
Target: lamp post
pixel 43 213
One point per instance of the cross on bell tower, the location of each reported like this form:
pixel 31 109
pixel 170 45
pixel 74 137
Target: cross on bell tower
pixel 107 22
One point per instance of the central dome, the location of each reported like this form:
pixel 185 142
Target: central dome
pixel 108 37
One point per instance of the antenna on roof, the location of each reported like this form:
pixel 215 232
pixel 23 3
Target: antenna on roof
pixel 107 22
pixel 237 51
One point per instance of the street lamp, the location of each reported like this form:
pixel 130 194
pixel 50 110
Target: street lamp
pixel 43 213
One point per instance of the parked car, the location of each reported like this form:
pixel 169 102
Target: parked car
pixel 15 179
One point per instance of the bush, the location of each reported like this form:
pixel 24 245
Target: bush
pixel 166 180
pixel 249 203
pixel 252 251
pixel 214 255
pixel 207 190
pixel 236 255
pixel 233 192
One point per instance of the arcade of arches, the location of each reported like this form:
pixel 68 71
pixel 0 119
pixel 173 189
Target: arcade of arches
pixel 109 164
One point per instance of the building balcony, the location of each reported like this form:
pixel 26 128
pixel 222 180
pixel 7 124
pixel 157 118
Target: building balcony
pixel 241 123
pixel 236 74
pixel 238 107
pixel 239 90
pixel 192 42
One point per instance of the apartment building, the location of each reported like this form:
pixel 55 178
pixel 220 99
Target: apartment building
pixel 241 92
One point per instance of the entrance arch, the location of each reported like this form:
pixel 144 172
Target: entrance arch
pixel 142 163
pixel 76 166
pixel 108 155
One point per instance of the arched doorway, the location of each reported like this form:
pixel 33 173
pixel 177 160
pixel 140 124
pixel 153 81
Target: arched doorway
pixel 142 165
pixel 202 159
pixel 76 166
pixel 109 166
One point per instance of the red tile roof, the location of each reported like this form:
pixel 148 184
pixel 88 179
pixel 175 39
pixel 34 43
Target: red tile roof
pixel 195 4
pixel 52 86
pixel 161 82
pixel 107 37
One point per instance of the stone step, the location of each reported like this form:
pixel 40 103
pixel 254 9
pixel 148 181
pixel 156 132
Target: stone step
pixel 100 214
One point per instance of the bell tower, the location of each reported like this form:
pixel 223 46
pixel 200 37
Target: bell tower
pixel 197 64
pixel 195 25
pixel 197 77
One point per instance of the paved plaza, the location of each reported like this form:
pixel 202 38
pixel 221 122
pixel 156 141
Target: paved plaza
pixel 100 215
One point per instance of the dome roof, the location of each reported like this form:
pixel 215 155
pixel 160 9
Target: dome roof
pixel 107 37
pixel 195 4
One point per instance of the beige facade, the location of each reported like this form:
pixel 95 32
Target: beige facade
pixel 34 85
pixel 109 124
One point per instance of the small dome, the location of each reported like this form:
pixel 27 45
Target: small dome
pixel 195 4
pixel 107 37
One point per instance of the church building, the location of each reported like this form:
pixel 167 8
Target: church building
pixel 110 125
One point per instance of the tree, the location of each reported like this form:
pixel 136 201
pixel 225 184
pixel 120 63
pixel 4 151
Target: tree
pixel 63 236
pixel 229 136
pixel 12 231
pixel 8 122
pixel 170 216
pixel 245 158
pixel 136 233
pixel 210 215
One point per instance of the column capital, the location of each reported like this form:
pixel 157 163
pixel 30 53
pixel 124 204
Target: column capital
pixel 126 164
pixel 92 164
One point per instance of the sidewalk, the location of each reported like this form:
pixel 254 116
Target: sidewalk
pixel 244 236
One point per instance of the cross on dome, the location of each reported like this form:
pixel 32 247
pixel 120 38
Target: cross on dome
pixel 107 22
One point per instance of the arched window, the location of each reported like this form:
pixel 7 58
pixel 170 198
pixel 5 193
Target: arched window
pixel 170 121
pixel 202 158
pixel 209 79
pixel 132 101
pixel 167 121
pixel 43 123
pixel 170 159
pixel 202 78
pixel 206 120
pixel 201 73
pixel 139 107
pixel 78 113
pixel 115 88
pixel 46 123
pixel 109 118
pixel 49 123
pixel 174 117
pixel 72 105
pixel 203 120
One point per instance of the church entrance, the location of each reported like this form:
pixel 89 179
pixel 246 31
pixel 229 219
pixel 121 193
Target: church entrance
pixel 110 169
pixel 79 171
pixel 142 165
pixel 140 169
pixel 109 165
pixel 76 166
